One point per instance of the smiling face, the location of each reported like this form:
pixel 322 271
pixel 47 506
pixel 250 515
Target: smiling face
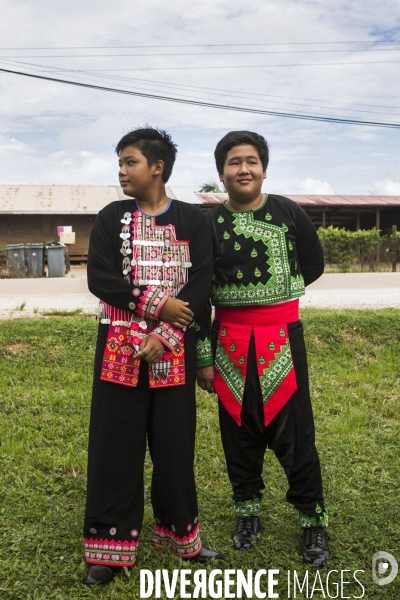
pixel 136 177
pixel 243 173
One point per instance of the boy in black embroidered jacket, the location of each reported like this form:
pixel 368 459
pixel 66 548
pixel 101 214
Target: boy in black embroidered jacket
pixel 265 251
pixel 150 264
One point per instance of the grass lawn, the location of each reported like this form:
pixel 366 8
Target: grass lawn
pixel 45 381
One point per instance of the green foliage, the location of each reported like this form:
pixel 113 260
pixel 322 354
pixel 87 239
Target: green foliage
pixel 211 187
pixel 365 246
pixel 339 246
pixel 45 387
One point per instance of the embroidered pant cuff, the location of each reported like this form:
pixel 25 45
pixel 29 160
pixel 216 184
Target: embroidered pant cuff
pixel 307 521
pixel 186 546
pixel 248 508
pixel 110 552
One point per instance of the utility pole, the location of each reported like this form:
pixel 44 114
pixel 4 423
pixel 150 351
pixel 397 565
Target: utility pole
pixel 378 226
pixel 394 248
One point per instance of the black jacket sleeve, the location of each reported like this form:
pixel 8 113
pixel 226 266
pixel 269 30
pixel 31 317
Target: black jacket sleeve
pixel 198 287
pixel 309 249
pixel 104 279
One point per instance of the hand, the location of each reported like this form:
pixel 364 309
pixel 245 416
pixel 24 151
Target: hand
pixel 205 378
pixel 150 349
pixel 177 313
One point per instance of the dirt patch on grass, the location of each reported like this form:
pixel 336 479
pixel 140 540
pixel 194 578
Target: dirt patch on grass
pixel 16 348
pixel 54 349
pixel 352 335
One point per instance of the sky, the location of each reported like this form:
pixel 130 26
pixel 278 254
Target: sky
pixel 320 58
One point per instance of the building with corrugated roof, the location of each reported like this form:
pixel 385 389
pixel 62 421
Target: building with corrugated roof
pixel 351 212
pixel 32 213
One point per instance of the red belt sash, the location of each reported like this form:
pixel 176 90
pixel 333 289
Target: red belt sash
pixel 274 360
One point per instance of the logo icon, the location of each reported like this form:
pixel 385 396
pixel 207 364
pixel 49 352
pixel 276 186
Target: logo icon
pixel 384 564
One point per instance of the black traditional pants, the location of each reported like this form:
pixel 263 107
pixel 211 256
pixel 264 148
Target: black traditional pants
pixel 291 435
pixel 121 419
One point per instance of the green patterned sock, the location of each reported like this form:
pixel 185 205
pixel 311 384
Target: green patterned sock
pixel 248 508
pixel 307 521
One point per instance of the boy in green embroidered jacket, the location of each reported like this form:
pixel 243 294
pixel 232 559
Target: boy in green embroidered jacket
pixel 266 250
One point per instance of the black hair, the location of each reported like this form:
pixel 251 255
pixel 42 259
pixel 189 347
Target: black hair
pixel 155 144
pixel 235 138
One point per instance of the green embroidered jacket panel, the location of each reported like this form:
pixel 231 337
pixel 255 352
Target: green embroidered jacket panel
pixel 261 257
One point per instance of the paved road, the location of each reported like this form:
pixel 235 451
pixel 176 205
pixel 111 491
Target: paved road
pixel 346 290
pixel 44 295
pixel 354 290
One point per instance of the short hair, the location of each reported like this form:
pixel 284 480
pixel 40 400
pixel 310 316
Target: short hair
pixel 235 138
pixel 155 144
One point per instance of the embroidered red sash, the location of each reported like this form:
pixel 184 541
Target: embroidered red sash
pixel 274 360
pixel 120 365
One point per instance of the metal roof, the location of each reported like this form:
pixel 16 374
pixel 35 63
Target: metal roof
pixel 211 198
pixel 346 200
pixel 319 200
pixel 56 199
pixel 70 199
pixel 184 194
pixel 89 199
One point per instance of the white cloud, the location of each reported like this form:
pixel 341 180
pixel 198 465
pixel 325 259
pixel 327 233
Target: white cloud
pixel 67 133
pixel 12 145
pixel 386 187
pixel 314 186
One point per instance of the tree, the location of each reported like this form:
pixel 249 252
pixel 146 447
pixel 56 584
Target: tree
pixel 211 187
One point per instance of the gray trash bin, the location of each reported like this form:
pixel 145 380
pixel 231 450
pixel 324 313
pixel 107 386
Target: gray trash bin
pixel 35 259
pixel 56 259
pixel 16 260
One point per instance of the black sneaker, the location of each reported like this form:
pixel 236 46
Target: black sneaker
pixel 315 546
pixel 246 532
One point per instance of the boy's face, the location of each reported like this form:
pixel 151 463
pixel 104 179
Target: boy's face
pixel 243 173
pixel 135 176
